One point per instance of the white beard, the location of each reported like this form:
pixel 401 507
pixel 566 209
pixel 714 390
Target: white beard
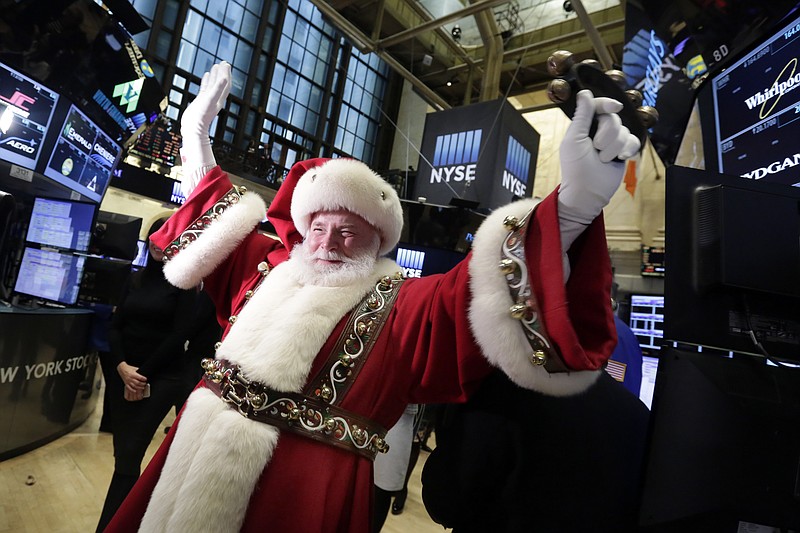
pixel 308 271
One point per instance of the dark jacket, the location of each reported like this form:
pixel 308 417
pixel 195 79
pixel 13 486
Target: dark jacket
pixel 513 460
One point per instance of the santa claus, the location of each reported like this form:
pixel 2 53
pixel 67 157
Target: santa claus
pixel 325 343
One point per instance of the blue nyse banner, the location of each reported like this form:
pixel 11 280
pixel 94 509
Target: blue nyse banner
pixel 484 153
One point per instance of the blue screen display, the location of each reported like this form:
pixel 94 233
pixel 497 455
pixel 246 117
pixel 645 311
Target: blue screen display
pixel 50 275
pixel 61 224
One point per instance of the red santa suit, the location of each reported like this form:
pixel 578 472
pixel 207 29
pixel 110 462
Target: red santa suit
pixel 220 471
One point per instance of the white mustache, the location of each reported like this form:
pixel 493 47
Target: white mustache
pixel 331 256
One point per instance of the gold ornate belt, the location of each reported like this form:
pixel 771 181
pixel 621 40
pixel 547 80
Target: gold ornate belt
pixel 294 412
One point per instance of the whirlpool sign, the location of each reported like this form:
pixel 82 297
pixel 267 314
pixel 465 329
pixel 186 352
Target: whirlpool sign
pixel 483 153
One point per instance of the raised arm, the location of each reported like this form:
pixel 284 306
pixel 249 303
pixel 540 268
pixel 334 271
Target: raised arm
pixel 197 157
pixel 545 321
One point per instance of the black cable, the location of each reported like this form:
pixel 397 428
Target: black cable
pixel 757 343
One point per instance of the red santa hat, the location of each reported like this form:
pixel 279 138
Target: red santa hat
pixel 351 185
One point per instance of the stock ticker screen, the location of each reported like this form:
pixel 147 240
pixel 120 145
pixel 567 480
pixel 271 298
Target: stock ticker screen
pixel 160 143
pixel 756 107
pixel 83 156
pixel 26 108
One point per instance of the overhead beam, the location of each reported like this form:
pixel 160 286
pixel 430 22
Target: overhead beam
pixel 376 31
pixel 594 36
pixel 509 55
pixel 493 55
pixel 366 45
pixel 436 23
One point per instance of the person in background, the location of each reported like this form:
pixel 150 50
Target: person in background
pixel 625 364
pixel 512 460
pixel 204 333
pixel 424 423
pixel 391 468
pixel 147 335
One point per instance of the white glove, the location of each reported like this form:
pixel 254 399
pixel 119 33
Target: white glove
pixel 196 154
pixel 589 174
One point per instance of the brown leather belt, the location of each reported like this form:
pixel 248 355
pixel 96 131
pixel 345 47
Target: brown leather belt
pixel 295 412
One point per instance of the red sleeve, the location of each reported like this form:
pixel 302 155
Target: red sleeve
pixel 577 317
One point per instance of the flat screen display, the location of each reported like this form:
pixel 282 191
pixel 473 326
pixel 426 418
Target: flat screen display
pixel 61 224
pixel 648 386
pixel 160 142
pixel 103 280
pixel 417 261
pixel 647 321
pixel 26 108
pixel 83 157
pixel 653 261
pixel 50 275
pixel 142 254
pixel 750 113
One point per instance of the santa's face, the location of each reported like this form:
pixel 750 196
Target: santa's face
pixel 335 236
pixel 339 248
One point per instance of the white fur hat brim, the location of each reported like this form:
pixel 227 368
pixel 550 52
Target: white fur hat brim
pixel 351 185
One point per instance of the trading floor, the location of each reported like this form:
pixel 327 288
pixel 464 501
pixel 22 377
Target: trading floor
pixel 72 473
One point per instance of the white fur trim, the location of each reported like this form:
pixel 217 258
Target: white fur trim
pixel 198 490
pixel 352 185
pixel 276 338
pixel 200 258
pixel 501 337
pixel 284 325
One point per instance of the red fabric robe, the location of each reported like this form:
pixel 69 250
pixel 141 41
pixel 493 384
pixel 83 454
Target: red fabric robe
pixel 428 352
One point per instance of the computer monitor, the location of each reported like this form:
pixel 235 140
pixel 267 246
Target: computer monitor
pixel 82 156
pixel 26 109
pixel 438 226
pixel 116 235
pixel 50 275
pixel 647 321
pixel 8 216
pixel 733 250
pixel 653 261
pixel 103 280
pixel 142 254
pixel 748 110
pixel 724 445
pixel 64 224
pixel 649 374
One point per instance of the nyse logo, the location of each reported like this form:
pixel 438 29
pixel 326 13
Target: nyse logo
pixel 455 156
pixel 177 196
pixel 411 261
pixel 518 163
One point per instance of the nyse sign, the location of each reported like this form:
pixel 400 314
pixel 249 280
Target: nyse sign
pixel 455 157
pixel 518 163
pixel 411 262
pixel 483 154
